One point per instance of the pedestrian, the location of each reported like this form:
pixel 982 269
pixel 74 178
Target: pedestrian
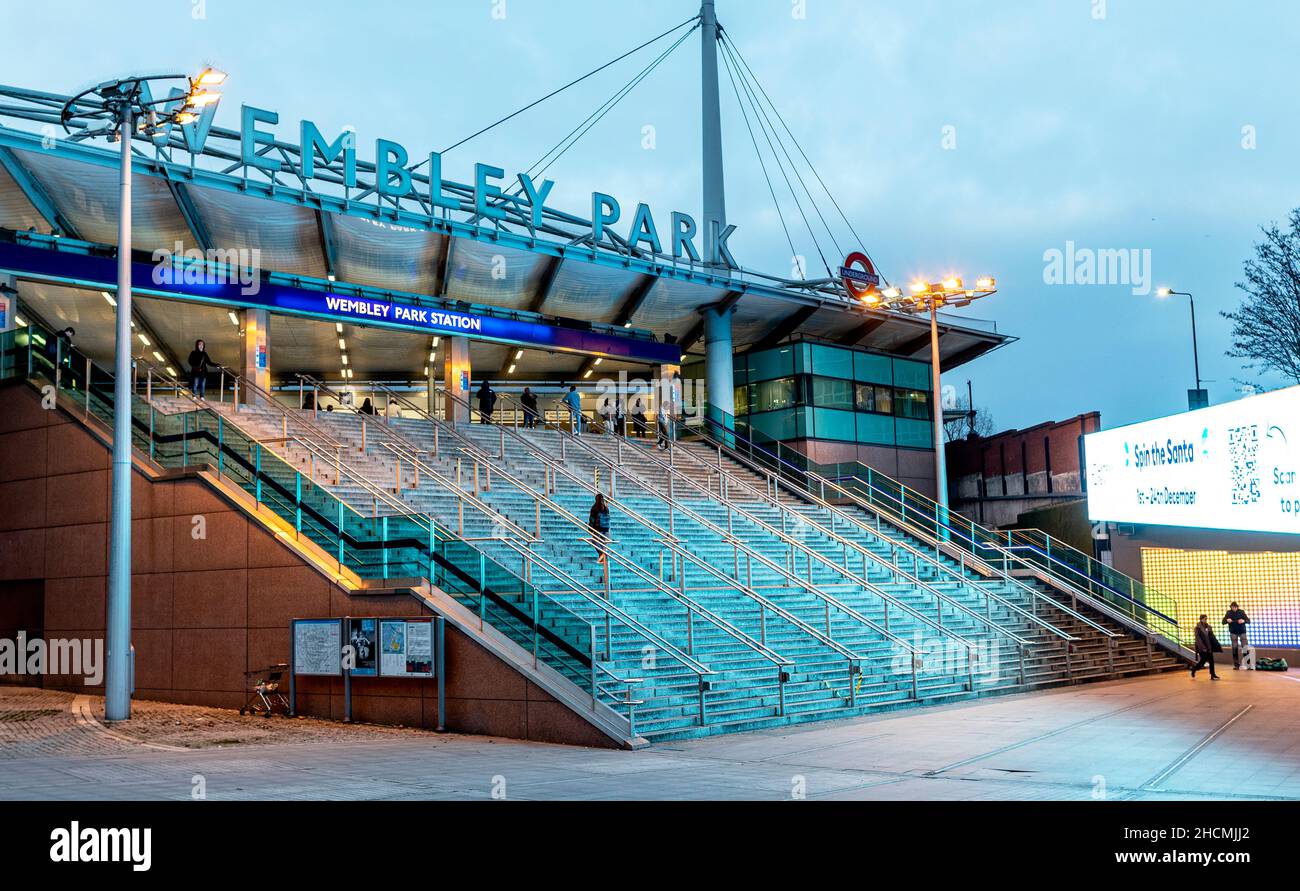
pixel 367 407
pixel 573 401
pixel 1206 646
pixel 620 417
pixel 598 523
pixel 1237 620
pixel 641 424
pixel 200 364
pixel 487 402
pixel 529 401
pixel 663 423
pixel 607 415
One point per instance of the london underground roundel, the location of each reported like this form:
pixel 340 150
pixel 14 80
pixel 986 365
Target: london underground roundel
pixel 858 275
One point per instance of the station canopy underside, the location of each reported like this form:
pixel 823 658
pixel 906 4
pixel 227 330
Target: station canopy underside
pixel 72 191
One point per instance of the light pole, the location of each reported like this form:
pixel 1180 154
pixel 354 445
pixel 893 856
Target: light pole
pixel 928 297
pixel 113 109
pixel 1197 398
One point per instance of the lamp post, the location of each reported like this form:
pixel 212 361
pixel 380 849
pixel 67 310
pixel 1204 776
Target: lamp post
pixel 1197 398
pixel 113 109
pixel 928 297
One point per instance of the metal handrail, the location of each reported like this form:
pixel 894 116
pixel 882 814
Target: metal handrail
pixel 1008 557
pixel 864 552
pixel 925 536
pixel 750 553
pixel 656 583
pixel 821 502
pixel 666 538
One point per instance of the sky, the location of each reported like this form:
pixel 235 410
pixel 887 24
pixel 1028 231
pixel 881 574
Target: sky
pixel 958 136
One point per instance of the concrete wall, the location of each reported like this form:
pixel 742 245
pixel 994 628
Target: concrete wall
pixel 206 610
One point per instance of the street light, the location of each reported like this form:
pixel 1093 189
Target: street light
pixel 926 296
pixel 1197 398
pixel 111 110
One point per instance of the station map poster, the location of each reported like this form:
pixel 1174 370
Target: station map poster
pixel 363 637
pixel 317 644
pixel 1233 466
pixel 406 648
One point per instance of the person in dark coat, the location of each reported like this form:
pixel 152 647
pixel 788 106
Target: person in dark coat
pixel 1206 646
pixel 200 364
pixel 598 523
pixel 487 402
pixel 1237 620
pixel 528 399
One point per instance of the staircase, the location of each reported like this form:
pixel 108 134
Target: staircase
pixel 731 601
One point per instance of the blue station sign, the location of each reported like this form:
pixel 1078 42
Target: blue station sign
pixel 100 272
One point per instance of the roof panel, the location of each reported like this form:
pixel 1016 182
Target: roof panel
pixel 88 196
pixel 588 291
pixel 386 255
pixel 672 306
pixel 287 237
pixel 492 274
pixel 16 212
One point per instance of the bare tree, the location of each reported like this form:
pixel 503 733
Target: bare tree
pixel 977 422
pixel 1266 327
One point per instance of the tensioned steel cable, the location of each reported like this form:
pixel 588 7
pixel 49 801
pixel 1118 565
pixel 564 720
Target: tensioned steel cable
pixel 595 117
pixel 569 84
pixel 793 166
pixel 794 253
pixel 793 194
pixel 807 160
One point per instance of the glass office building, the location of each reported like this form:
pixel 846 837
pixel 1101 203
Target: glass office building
pixel 838 405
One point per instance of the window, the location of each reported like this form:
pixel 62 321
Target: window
pixel 912 404
pixel 875 398
pixel 772 395
pixel 832 361
pixel 830 393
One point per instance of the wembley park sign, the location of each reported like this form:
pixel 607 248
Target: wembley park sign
pixel 395 178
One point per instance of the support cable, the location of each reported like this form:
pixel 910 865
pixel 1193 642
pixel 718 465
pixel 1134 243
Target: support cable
pixel 811 166
pixel 794 253
pixel 576 134
pixel 793 194
pixel 569 84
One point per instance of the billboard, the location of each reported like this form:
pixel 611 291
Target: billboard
pixel 1231 466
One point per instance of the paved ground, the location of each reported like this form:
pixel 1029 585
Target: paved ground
pixel 1149 738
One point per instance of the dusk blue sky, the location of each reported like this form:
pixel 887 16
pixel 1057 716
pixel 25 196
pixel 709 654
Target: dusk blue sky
pixel 1122 132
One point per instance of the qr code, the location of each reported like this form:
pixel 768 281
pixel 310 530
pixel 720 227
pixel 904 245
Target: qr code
pixel 1243 452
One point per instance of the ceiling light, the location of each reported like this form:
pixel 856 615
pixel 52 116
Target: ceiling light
pixel 144 340
pixel 435 342
pixel 512 369
pixel 159 356
pixel 18 320
pixel 171 371
pixel 587 375
pixel 234 319
pixel 596 364
pixel 343 344
pixel 345 358
pixel 519 354
pixel 109 298
pixel 338 328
